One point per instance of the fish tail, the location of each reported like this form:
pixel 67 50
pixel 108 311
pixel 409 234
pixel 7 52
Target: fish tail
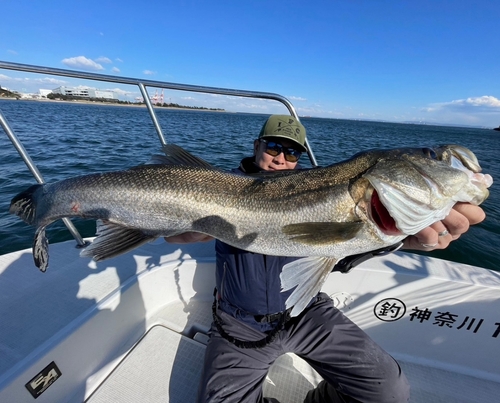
pixel 24 204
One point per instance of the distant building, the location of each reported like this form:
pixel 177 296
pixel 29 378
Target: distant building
pixel 41 94
pixel 84 92
pixel 72 91
pixel 26 95
pixel 44 93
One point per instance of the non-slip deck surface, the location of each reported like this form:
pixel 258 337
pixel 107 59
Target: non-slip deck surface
pixel 165 367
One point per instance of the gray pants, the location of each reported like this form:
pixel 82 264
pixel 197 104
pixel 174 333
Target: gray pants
pixel 354 367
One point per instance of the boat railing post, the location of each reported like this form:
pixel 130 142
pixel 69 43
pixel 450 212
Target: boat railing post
pixel 152 113
pixel 36 173
pixel 292 111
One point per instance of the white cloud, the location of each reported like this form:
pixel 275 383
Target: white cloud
pixel 320 111
pixel 149 72
pixel 29 83
pixel 485 103
pixel 12 52
pixel 49 80
pixel 119 60
pixel 103 59
pixel 115 70
pixel 485 100
pixel 293 98
pixel 81 62
pixel 483 111
pixel 120 91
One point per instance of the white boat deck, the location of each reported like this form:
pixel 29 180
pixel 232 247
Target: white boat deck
pixel 174 364
pixel 133 328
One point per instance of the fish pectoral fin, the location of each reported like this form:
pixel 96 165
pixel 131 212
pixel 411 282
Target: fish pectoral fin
pixel 322 233
pixel 113 240
pixel 308 275
pixel 41 249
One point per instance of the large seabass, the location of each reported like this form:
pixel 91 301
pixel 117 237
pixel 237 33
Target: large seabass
pixel 372 200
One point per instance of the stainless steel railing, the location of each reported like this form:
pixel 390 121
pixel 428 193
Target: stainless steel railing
pixel 36 173
pixel 141 84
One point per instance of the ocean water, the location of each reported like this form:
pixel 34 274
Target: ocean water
pixel 70 139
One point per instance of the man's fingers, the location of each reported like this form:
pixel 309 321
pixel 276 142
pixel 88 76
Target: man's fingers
pixel 474 214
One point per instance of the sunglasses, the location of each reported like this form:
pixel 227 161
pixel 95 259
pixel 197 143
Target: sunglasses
pixel 274 149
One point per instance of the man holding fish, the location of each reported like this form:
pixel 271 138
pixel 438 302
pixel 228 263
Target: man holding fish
pixel 279 235
pixel 252 326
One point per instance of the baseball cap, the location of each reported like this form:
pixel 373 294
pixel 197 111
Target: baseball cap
pixel 287 127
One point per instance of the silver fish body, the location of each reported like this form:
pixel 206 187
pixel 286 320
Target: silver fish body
pixel 372 200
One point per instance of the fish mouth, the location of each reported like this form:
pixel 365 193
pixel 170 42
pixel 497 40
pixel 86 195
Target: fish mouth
pixel 380 215
pixel 414 190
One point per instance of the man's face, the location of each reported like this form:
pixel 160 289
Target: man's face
pixel 268 162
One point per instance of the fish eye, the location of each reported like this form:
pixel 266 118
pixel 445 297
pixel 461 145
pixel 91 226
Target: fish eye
pixel 430 153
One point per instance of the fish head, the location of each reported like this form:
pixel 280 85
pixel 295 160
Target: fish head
pixel 414 188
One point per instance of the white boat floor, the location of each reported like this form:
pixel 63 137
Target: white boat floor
pixel 165 366
pixel 440 386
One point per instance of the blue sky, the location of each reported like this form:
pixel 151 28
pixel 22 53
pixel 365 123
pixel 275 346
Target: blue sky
pixel 434 61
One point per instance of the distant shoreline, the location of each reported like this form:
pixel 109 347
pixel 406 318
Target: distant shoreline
pixel 250 113
pixel 84 102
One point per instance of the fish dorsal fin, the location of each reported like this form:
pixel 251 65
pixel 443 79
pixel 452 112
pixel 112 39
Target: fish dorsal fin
pixel 176 155
pixel 322 233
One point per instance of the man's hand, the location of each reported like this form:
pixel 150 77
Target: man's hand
pixel 440 234
pixel 189 237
